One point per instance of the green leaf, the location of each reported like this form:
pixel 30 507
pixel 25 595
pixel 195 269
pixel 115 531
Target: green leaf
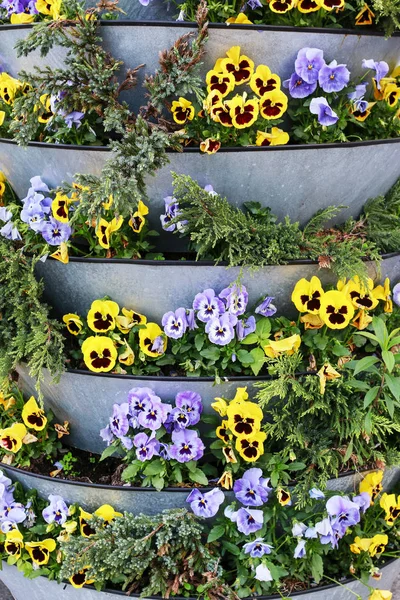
pixel 250 339
pixel 393 384
pixel 109 451
pixel 158 482
pixel 274 478
pixel 216 532
pixel 245 357
pixel 349 452
pixel 371 395
pixel 263 328
pixel 380 330
pixel 388 359
pixel 211 353
pixel 231 548
pixel 296 466
pixel 389 405
pixel 339 350
pixel 177 473
pixel 317 567
pixel 368 422
pixel 154 467
pixel 199 341
pixel 130 472
pixel 365 363
pixel 259 359
pixel 198 477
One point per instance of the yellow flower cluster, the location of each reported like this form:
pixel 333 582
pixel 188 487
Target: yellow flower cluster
pixel 100 352
pixel 12 438
pixel 9 90
pixel 241 427
pixel 51 8
pixel 351 302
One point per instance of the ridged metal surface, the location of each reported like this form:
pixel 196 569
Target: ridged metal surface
pixel 154 288
pixel 292 181
pixel 43 589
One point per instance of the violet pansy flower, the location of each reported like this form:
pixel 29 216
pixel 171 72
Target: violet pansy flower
pixel 244 327
pixel 140 399
pixel 299 529
pixel 381 69
pixel 347 513
pixel 106 435
pixel 154 415
pixel 191 319
pixel 205 505
pixel 363 500
pixel 257 549
pixel 191 403
pixel 186 446
pixel 57 511
pixel 249 520
pixel 221 330
pixel 300 550
pixel 321 108
pixel 333 77
pixel 308 63
pixel 74 118
pixel 396 294
pixel 252 489
pixel 298 88
pixel 146 446
pixel 316 494
pixel 119 422
pixel 55 232
pixel 208 305
pixel 236 298
pixel 175 323
pixel 266 308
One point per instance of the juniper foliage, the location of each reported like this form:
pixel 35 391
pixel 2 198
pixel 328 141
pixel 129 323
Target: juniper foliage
pixel 388 13
pixel 27 332
pixel 381 216
pixel 162 554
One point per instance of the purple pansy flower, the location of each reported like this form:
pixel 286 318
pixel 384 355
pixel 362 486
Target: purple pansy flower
pixel 119 422
pixel 164 451
pixel 10 232
pixel 191 319
pixel 300 550
pixel 244 327
pixel 308 63
pixel 171 211
pixel 54 232
pixel 208 305
pixel 146 446
pixel 299 529
pixel 333 77
pixel 321 108
pixel 252 489
pixel 186 446
pixel 177 419
pixel 316 494
pixel 257 549
pixel 106 435
pixel 221 330
pixel 266 308
pixel 310 533
pixel 347 513
pixel 57 511
pixel 11 510
pixel 381 69
pixel 298 88
pixel 5 482
pixel 205 505
pixel 396 294
pixel 209 188
pixel 363 500
pixel 175 323
pixel 141 399
pixel 37 185
pixel 249 520
pixel 154 415
pixel 236 298
pixel 253 4
pixel 357 98
pixel 74 118
pixel 191 403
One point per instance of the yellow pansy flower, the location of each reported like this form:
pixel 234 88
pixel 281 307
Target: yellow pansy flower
pixel 273 104
pixel 241 66
pixel 251 447
pixel 380 595
pixel 308 6
pixel 288 346
pixel 229 455
pixel 283 496
pixel 60 207
pixel 2 117
pixel 107 513
pixel 33 416
pixel 226 480
pixel 361 320
pixel 365 16
pixel 383 292
pixel 362 296
pixel 223 432
pixel 99 354
pixel 11 437
pixel 282 6
pixel 332 4
pixel 244 419
pixel 240 396
pixel 21 18
pixel 372 484
pixel 129 319
pixel 391 506
pixel 220 406
pixel 8 87
pixel 182 111
pixel 327 373
pixel 307 295
pixel 241 19
pixel 373 546
pixel 127 357
pixel 210 146
pixel 102 315
pixel 40 551
pixel 336 309
pixel 61 253
pixel 47 114
pixel 84 527
pixel 152 340
pixel 78 580
pixel 49 7
pixel 105 229
pixel 277 137
pixel 73 322
pixel 14 543
pixel 107 205
pixel 391 95
pixel 138 220
pixel 243 112
pixel 220 82
pixel 263 81
pixel 311 321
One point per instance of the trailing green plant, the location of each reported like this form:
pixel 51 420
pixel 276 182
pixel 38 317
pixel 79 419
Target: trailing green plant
pixel 387 13
pixel 161 554
pixel 380 217
pixel 27 333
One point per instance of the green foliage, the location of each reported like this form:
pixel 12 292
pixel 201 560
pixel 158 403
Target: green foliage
pixel 27 333
pixel 381 216
pixel 160 554
pixel 388 13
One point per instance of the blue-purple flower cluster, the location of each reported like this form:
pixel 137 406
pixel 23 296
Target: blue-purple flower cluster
pixel 13 513
pixel 57 511
pixel 144 410
pixel 36 213
pixel 222 315
pixel 27 7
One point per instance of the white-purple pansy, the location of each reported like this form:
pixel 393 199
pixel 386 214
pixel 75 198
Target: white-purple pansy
pixel 300 550
pixel 57 511
pixel 308 63
pixel 316 494
pixel 146 446
pixel 326 115
pixel 252 489
pixel 221 330
pixel 298 87
pixel 248 520
pixel 266 308
pixel 236 298
pixel 263 573
pixel 396 294
pixel 205 505
pixel 333 77
pixel 244 327
pixel 363 500
pixel 154 415
pixel 191 403
pixel 55 232
pixel 175 323
pixel 208 305
pixel 381 69
pixel 299 529
pixel 258 548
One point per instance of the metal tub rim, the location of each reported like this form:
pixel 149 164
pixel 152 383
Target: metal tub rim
pixel 221 25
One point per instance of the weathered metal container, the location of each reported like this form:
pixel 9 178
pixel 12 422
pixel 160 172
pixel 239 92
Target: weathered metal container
pixel 291 180
pixel 138 284
pixel 42 589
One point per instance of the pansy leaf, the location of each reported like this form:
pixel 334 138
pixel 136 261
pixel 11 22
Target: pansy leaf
pixel 365 363
pixel 245 357
pixel 339 350
pixel 263 328
pixel 215 533
pixel 371 395
pixel 389 405
pixel 158 482
pixel 380 330
pixel 198 477
pixel 109 451
pixel 177 473
pixel 259 360
pixel 199 341
pixel 250 339
pixel 393 384
pixel 368 423
pixel 211 353
pixel 388 359
pixel 296 466
pixel 317 567
pixel 231 548
pixel 155 467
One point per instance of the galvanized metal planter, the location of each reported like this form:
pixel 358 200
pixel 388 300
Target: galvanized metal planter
pixel 148 500
pixel 42 589
pixel 299 179
pixel 156 10
pixel 155 287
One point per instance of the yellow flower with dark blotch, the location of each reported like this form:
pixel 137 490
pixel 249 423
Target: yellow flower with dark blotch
pixel 263 81
pixel 229 455
pixel 46 115
pixel 241 66
pixel 361 320
pixel 241 19
pixel 362 116
pixel 7 403
pixel 372 484
pixel 221 113
pixel 14 543
pixel 84 527
pixel 327 373
pixel 212 100
pixel 99 354
pixel 73 322
pixel 240 396
pixel 273 104
pixel 221 82
pixel 60 207
pixel 380 595
pixel 332 4
pixel 33 416
pixel 308 6
pixel 383 292
pixel 252 447
pixel 243 112
pixel 391 95
pixel 129 319
pixel 365 16
pixel 8 87
pixel 361 295
pixel 220 406
pixel 283 497
pixel 210 146
pixel 336 309
pixel 138 220
pixel 287 346
pixel 61 253
pixel 307 295
pixel 360 545
pixel 21 18
pixel 40 551
pixel 11 437
pixel 107 513
pixel 277 137
pixel 223 432
pixel 105 229
pixel 152 340
pixel 244 418
pixel 391 506
pixel 108 205
pixel 182 111
pixel 102 315
pixel 127 356
pixel 78 580
pixel 226 480
pixel 282 6
pixel 49 7
pixel 2 117
pixel 311 321
pixel 378 544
